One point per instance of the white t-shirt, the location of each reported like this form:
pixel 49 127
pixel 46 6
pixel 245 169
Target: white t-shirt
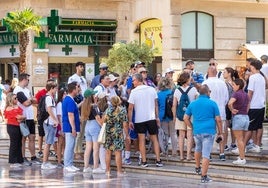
pixel 264 69
pixel 219 93
pixel 50 102
pixel 257 85
pixel 143 97
pixel 80 80
pixel 28 111
pixel 59 110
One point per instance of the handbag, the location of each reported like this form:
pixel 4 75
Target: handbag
pixel 102 134
pixel 24 129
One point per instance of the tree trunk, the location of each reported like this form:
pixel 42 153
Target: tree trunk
pixel 23 43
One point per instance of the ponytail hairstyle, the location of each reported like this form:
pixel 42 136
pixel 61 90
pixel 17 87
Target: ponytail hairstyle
pixel 116 103
pixel 234 74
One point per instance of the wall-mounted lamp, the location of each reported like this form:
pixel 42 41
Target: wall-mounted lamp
pixel 239 52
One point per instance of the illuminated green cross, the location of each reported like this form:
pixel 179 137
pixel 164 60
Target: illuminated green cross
pixel 53 21
pixel 41 40
pixel 67 50
pixel 12 50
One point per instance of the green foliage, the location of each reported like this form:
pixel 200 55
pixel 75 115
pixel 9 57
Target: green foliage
pixel 122 55
pixel 20 21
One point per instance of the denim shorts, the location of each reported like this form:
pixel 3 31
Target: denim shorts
pixel 92 131
pixel 240 122
pixel 204 144
pixel 50 133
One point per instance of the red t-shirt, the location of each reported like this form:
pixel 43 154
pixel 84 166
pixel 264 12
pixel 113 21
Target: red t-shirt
pixel 10 115
pixel 40 94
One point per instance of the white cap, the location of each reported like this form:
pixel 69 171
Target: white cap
pixel 102 95
pixel 169 70
pixel 103 65
pixel 112 77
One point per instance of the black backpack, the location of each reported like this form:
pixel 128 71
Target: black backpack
pixel 168 106
pixel 42 113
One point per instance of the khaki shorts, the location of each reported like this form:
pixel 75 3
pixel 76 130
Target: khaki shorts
pixel 180 125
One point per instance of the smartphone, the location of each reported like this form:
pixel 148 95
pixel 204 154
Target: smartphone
pixel 219 139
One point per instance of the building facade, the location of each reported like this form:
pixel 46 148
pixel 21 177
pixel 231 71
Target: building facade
pixel 84 30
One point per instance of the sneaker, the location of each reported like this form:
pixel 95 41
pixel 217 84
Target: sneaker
pixel 198 170
pixel 159 163
pixel 205 179
pixel 69 169
pixel 40 154
pixel 98 171
pixel 255 149
pixel 26 162
pixel 15 165
pixel 240 161
pixel 36 161
pixel 139 161
pixel 60 165
pixel 235 151
pixel 75 168
pixel 232 147
pixel 88 169
pixel 52 154
pixel 127 161
pixel 144 164
pixel 222 157
pixel 48 166
pixel 226 148
pixel 249 146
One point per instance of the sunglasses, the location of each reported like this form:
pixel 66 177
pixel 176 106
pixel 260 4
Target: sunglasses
pixel 104 69
pixel 212 64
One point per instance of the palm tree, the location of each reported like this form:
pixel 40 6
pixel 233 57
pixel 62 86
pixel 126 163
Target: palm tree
pixel 21 22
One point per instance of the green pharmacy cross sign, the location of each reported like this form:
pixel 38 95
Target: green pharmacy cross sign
pixel 12 50
pixel 41 40
pixel 67 50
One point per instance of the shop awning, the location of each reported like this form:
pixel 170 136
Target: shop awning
pixel 257 49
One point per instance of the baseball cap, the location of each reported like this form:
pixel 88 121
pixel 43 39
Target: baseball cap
pixel 102 95
pixel 112 77
pixel 188 62
pixel 139 63
pixel 89 92
pixel 169 70
pixel 103 65
pixel 142 69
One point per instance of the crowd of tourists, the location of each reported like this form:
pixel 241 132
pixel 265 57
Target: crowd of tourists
pixel 134 109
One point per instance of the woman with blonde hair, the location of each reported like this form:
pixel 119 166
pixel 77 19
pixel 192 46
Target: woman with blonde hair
pixel 13 114
pixel 14 83
pixel 167 124
pixel 116 127
pixel 90 113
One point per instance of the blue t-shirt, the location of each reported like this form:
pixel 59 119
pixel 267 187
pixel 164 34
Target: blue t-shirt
pixel 162 95
pixel 69 105
pixel 204 112
pixel 95 81
pixel 129 83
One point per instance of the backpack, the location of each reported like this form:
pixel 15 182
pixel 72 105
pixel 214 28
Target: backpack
pixel 168 105
pixel 42 113
pixel 183 103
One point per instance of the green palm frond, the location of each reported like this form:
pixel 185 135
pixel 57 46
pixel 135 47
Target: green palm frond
pixel 20 21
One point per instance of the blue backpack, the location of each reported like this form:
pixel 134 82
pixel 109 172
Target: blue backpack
pixel 183 103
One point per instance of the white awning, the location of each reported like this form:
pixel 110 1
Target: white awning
pixel 257 49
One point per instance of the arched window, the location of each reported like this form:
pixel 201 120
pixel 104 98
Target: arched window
pixel 197 36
